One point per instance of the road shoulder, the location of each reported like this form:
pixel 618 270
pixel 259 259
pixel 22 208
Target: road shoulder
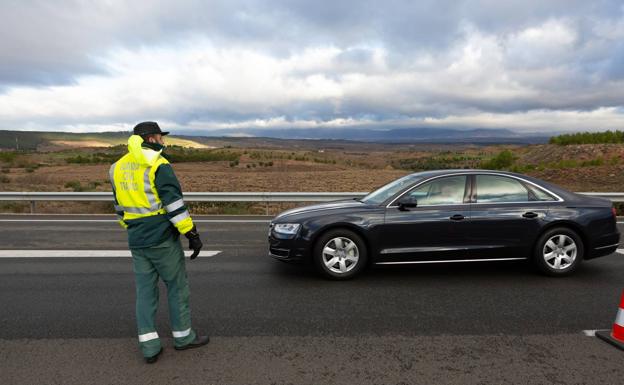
pixel 533 359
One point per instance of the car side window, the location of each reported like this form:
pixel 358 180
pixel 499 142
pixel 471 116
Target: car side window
pixel 442 191
pixel 540 195
pixel 494 188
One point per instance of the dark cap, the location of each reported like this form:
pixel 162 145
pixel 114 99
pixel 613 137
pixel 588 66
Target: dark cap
pixel 146 128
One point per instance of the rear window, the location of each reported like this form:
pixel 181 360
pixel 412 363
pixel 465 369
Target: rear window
pixel 540 195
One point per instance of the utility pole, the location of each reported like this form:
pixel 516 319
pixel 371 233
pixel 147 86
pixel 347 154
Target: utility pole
pixel 16 144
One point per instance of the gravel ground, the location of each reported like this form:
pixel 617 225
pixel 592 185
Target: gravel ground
pixel 533 359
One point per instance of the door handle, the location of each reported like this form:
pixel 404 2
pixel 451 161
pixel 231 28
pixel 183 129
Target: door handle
pixel 457 217
pixel 530 214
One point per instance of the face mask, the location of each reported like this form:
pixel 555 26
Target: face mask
pixel 155 146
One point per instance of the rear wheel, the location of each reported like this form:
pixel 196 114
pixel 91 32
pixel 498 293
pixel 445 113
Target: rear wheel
pixel 558 252
pixel 340 254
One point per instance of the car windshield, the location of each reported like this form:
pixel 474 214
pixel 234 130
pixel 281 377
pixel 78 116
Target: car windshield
pixel 385 192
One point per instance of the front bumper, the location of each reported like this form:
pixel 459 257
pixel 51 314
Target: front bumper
pixel 288 250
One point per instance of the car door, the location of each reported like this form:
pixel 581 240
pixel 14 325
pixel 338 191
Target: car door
pixel 506 216
pixel 433 230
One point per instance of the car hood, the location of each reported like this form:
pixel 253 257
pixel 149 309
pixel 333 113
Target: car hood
pixel 335 205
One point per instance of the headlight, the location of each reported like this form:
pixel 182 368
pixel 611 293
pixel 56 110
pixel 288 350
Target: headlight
pixel 286 228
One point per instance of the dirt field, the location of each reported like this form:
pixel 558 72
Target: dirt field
pixel 578 168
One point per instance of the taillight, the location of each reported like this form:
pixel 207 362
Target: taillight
pixel 614 211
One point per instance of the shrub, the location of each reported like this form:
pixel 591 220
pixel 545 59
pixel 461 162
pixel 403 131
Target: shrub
pixel 502 161
pixel 7 156
pixel 74 185
pixel 588 138
pixel 100 157
pixel 195 155
pixel 592 162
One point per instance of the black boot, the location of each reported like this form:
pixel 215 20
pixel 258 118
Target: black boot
pixel 197 342
pixel 154 358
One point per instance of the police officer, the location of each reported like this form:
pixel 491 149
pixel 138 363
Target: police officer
pixel 149 204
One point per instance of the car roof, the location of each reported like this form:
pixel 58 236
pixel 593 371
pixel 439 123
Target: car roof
pixel 552 187
pixel 432 173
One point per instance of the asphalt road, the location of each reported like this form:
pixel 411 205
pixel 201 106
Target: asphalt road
pixel 276 323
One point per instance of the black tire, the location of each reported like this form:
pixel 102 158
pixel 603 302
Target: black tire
pixel 353 268
pixel 546 265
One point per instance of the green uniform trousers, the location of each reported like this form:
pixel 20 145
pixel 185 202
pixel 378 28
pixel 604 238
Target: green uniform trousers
pixel 166 261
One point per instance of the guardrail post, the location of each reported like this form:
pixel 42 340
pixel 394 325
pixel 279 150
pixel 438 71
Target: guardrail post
pixel 32 207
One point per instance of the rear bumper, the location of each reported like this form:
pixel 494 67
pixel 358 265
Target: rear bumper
pixel 605 245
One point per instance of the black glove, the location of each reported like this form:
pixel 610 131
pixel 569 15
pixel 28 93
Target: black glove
pixel 195 243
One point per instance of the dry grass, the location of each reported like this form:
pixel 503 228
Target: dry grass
pixel 332 170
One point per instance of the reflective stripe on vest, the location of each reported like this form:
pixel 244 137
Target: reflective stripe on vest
pixel 151 198
pixel 111 175
pixel 175 205
pixel 180 217
pixel 141 210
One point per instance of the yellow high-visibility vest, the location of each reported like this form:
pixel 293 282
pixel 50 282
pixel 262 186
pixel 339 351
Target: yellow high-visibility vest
pixel 133 177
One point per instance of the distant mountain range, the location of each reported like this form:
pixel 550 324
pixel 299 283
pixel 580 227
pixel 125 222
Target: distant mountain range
pixel 396 135
pixel 31 140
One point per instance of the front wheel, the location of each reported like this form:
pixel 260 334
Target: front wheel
pixel 340 254
pixel 558 252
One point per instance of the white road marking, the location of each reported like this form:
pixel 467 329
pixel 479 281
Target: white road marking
pixel 592 333
pixel 621 251
pixel 84 253
pixel 115 221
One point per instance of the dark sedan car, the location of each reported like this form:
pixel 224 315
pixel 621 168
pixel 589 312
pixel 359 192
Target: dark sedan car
pixel 449 216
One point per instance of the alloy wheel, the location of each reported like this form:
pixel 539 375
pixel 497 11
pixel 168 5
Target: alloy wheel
pixel 340 255
pixel 559 252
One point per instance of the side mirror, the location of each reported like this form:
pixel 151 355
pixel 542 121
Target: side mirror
pixel 406 203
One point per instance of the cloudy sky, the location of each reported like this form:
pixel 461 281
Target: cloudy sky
pixel 531 66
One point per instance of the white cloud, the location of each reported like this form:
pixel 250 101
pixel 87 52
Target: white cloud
pixel 549 44
pixel 296 66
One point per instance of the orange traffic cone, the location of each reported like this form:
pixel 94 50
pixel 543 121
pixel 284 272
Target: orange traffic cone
pixel 616 337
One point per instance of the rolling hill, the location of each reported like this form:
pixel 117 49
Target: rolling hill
pixel 43 141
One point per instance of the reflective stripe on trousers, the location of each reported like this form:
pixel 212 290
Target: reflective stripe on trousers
pixel 181 334
pixel 148 336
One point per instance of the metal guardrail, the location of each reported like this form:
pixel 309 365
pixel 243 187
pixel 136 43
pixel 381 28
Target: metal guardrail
pixel 189 196
pixel 265 197
pixel 228 196
pixel 613 196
